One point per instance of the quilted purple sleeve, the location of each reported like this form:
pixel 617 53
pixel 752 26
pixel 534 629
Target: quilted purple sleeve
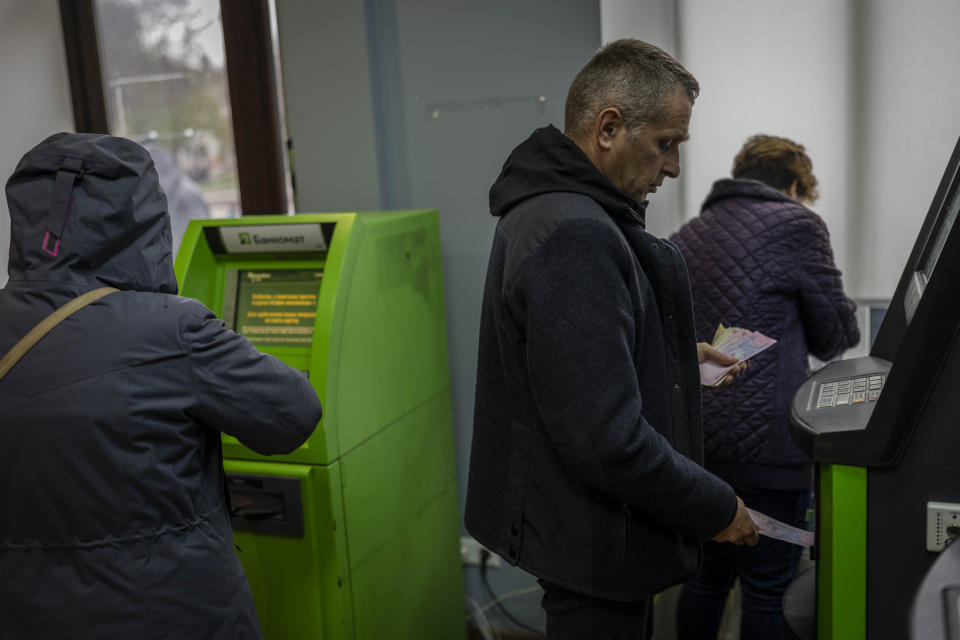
pixel 829 318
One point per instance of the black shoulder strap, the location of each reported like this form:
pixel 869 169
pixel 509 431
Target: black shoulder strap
pixel 71 172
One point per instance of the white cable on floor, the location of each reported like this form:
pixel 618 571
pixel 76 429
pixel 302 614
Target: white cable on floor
pixel 509 594
pixel 486 630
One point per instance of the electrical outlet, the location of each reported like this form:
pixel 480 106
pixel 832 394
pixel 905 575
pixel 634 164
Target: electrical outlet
pixel 470 553
pixel 943 524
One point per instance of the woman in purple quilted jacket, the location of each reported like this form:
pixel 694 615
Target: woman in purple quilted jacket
pixel 760 259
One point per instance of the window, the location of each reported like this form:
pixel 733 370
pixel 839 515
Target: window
pixel 165 83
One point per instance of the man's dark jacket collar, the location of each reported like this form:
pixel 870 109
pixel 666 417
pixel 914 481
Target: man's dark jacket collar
pixel 548 162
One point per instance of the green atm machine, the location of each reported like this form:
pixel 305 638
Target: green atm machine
pixel 356 533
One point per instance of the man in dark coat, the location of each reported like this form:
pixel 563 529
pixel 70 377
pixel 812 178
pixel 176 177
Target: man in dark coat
pixel 586 461
pixel 761 260
pixel 114 522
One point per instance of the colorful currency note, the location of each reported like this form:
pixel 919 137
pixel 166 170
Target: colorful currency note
pixel 769 527
pixel 733 341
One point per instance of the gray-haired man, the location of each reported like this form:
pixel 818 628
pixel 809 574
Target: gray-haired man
pixel 587 447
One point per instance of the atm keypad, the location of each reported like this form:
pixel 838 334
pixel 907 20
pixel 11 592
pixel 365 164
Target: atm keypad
pixel 850 391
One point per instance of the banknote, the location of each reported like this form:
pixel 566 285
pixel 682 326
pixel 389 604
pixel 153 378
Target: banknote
pixel 767 526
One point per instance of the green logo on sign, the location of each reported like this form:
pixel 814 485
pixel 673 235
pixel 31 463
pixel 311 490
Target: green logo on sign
pixel 245 238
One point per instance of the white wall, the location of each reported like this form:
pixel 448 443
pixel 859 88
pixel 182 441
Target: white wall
pixel 911 112
pixel 766 66
pixel 35 89
pixel 328 102
pixel 758 73
pixel 653 21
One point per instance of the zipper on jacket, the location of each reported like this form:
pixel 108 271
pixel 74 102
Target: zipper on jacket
pixel 636 216
pixel 626 530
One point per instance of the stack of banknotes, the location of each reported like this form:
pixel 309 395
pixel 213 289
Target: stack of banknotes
pixel 734 341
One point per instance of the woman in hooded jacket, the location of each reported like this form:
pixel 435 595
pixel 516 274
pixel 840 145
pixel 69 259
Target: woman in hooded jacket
pixel 760 259
pixel 111 482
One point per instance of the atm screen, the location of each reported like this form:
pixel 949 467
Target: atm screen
pixel 945 219
pixel 277 308
pixel 932 253
pixel 876 314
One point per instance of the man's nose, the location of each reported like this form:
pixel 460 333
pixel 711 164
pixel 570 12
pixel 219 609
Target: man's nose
pixel 672 165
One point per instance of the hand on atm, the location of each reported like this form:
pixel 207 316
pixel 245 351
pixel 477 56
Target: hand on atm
pixel 741 530
pixel 707 352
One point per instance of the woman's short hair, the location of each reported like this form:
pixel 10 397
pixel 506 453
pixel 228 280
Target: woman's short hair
pixel 778 162
pixel 631 75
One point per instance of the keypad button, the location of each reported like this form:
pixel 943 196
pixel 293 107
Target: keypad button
pixel 860 396
pixel 873 395
pixel 843 398
pixel 826 402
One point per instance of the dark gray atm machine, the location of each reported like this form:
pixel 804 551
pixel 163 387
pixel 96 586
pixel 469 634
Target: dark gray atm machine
pixel 884 432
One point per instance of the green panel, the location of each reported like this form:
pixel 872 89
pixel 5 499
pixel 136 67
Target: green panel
pixel 300 585
pixel 196 268
pixel 400 503
pixel 393 345
pixel 842 563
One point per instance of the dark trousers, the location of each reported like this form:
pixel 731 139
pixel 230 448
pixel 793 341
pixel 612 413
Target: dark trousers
pixel 765 572
pixel 574 616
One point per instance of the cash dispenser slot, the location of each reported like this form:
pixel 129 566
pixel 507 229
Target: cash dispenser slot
pixel 266 504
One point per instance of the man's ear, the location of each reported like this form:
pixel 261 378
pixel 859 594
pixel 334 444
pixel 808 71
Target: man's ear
pixel 607 126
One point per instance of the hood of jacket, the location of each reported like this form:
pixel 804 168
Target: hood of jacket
pixel 87 210
pixel 548 162
pixel 740 188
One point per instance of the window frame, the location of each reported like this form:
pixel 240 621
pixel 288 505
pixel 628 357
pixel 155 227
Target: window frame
pixel 251 78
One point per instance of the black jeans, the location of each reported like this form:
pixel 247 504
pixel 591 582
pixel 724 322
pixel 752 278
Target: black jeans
pixel 765 572
pixel 574 616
